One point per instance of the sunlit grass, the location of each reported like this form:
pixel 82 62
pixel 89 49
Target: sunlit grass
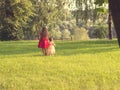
pixel 77 65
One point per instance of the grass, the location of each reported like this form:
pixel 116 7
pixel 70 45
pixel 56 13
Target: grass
pixel 78 65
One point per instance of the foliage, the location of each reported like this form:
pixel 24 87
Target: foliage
pixel 16 15
pixel 49 12
pixel 89 12
pixel 101 2
pixel 25 18
pixel 81 34
pixel 59 29
pixel 56 34
pixel 70 25
pixel 99 31
pixel 65 34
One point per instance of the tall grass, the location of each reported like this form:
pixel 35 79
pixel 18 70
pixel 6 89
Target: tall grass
pixel 78 65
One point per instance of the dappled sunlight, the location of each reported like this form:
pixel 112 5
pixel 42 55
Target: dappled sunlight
pixel 62 48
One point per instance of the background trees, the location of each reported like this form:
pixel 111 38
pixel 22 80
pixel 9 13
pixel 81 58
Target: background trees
pixel 114 7
pixel 14 18
pixel 23 19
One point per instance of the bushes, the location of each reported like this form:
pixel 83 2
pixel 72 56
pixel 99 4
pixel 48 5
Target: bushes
pixel 56 34
pixel 72 32
pixel 10 33
pixel 67 30
pixel 65 34
pixel 81 34
pixel 98 32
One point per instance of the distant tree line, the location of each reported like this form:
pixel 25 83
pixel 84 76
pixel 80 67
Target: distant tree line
pixel 24 19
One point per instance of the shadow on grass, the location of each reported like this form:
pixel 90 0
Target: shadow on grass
pixel 18 47
pixel 87 47
pixel 62 48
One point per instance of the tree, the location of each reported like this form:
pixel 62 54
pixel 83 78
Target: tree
pixel 99 31
pixel 24 18
pixel 109 23
pixel 16 15
pixel 49 12
pixel 101 3
pixel 81 34
pixel 65 34
pixel 88 11
pixel 115 7
pixel 56 34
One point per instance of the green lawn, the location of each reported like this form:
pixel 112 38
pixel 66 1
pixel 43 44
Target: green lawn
pixel 83 65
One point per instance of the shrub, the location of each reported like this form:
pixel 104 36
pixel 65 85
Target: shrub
pixel 56 34
pixel 65 34
pixel 99 32
pixel 81 34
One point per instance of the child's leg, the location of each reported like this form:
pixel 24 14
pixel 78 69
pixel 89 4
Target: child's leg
pixel 46 52
pixel 49 52
pixel 43 50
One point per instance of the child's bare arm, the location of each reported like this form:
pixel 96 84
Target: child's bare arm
pixel 54 44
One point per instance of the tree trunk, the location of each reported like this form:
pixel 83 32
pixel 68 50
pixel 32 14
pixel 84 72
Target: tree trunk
pixel 109 24
pixel 77 23
pixel 115 12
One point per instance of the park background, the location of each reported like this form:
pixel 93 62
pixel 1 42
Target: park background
pixel 69 19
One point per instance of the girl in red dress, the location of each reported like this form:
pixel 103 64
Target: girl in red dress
pixel 44 42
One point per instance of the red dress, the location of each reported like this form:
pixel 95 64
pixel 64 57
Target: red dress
pixel 43 43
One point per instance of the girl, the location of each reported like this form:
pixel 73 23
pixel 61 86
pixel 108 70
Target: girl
pixel 51 48
pixel 43 41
